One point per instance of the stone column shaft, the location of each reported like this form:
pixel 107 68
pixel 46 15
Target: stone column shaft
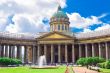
pixel 73 53
pixel 45 50
pixel 6 50
pixel 80 50
pixel 18 52
pixel 66 53
pixel 93 52
pixel 13 51
pixel 34 54
pixel 26 54
pixel 86 50
pixel 59 53
pixel 99 50
pixel 106 47
pixel 9 51
pixel 38 52
pixel 52 53
pixel 0 50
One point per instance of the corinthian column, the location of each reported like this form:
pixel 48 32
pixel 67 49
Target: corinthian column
pixel 99 50
pixel 79 50
pixel 66 53
pixel 6 50
pixel 73 53
pixel 93 52
pixel 0 50
pixel 86 50
pixel 45 50
pixel 106 47
pixel 38 51
pixel 51 53
pixel 59 53
pixel 34 56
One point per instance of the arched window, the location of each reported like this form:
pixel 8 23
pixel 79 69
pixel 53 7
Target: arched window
pixel 59 27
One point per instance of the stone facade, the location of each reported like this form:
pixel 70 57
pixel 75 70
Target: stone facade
pixel 59 45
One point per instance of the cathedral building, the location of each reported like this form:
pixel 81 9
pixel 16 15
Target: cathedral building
pixel 60 45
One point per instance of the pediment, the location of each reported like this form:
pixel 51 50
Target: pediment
pixel 55 35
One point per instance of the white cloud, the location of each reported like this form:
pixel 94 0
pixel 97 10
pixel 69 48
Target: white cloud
pixel 87 30
pixel 26 23
pixel 28 14
pixel 3 20
pixel 103 27
pixel 78 21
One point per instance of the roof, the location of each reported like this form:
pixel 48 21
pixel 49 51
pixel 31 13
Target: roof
pixel 105 32
pixel 28 36
pixel 60 14
pixel 17 35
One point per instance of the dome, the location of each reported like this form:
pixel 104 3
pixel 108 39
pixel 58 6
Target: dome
pixel 59 14
pixel 59 21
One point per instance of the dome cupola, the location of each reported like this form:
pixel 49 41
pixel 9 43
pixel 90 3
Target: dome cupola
pixel 59 21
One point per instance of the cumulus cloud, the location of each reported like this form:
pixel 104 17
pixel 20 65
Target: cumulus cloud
pixel 87 30
pixel 3 20
pixel 78 21
pixel 26 23
pixel 27 14
pixel 103 27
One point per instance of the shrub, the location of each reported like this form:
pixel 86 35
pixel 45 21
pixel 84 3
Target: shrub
pixel 90 61
pixel 107 64
pixel 9 61
pixel 97 60
pixel 81 61
pixel 101 65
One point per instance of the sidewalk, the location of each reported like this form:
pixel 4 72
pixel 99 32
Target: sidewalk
pixel 83 70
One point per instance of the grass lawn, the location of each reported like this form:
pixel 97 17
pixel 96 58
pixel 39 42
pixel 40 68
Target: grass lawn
pixel 28 70
pixel 105 70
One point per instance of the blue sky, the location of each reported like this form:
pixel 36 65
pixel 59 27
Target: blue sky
pixel 87 8
pixel 32 16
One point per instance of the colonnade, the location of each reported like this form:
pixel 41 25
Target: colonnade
pixel 56 53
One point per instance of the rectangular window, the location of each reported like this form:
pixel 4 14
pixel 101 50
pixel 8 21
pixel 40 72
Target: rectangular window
pixel 58 27
pixel 62 27
pixel 65 28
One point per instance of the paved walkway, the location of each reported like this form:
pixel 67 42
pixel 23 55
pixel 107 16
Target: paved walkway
pixel 83 70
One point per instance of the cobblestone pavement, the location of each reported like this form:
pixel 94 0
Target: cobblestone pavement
pixel 83 70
